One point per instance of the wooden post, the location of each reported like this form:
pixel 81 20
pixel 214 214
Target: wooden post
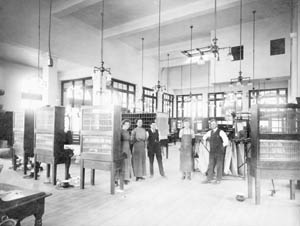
pixel 112 178
pixel 48 170
pixel 92 176
pixel 292 190
pixel 250 180
pixel 34 168
pixel 54 170
pixel 82 174
pixel 257 187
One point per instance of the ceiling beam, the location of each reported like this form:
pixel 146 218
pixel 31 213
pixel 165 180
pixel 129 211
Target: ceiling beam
pixel 188 11
pixel 64 8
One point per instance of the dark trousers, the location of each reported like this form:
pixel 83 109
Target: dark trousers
pixel 159 161
pixel 215 159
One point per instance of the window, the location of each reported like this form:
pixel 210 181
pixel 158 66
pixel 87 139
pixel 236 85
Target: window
pixel 123 93
pixel 216 103
pixel 167 104
pixel 189 106
pixel 233 103
pixel 236 52
pixel 268 96
pixel 76 93
pixel 149 100
pixel 277 46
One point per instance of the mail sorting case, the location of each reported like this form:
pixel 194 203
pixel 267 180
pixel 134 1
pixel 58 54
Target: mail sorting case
pixel 275 140
pixel 101 142
pixel 49 138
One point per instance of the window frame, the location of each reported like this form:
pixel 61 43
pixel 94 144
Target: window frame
pixel 73 85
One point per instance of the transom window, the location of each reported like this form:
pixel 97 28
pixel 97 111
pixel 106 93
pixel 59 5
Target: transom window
pixel 123 93
pixel 268 96
pixel 216 105
pixel 149 100
pixel 76 93
pixel 189 106
pixel 167 104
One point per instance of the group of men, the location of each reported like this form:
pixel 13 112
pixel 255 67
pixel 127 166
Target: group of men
pixel 217 138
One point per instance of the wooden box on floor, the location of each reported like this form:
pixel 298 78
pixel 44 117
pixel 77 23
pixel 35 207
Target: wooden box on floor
pixel 23 136
pixel 275 139
pixel 100 143
pixel 49 138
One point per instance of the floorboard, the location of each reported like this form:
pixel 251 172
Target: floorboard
pixel 160 202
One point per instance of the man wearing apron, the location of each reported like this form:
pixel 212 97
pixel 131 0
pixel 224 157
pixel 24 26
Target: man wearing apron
pixel 218 140
pixel 186 135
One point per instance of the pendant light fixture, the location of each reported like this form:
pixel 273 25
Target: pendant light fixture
pixel 140 101
pixel 253 49
pixel 105 79
pixel 50 60
pixel 240 80
pixel 191 47
pixel 213 49
pixel 39 42
pixel 181 72
pixel 158 87
pixel 168 57
pixel 180 108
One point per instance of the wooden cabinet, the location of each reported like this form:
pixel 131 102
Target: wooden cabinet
pixel 101 141
pixel 49 138
pixel 6 127
pixel 23 136
pixel 275 139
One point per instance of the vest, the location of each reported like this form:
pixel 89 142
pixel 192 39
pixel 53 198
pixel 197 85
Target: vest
pixel 216 142
pixel 153 139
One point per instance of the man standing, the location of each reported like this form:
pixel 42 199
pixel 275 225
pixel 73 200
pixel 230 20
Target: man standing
pixel 154 149
pixel 218 140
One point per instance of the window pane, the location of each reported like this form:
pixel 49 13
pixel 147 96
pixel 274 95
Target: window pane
pixel 67 94
pixel 131 88
pixel 78 93
pixel 88 82
pixel 88 96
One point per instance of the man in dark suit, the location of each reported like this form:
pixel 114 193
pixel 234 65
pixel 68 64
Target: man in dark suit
pixel 154 149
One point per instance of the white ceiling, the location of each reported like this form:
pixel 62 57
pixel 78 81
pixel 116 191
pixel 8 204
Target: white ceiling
pixel 126 20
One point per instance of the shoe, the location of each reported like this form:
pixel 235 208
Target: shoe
pixel 183 177
pixel 142 178
pixel 137 179
pixel 116 183
pixel 163 176
pixel 126 182
pixel 206 182
pixel 217 182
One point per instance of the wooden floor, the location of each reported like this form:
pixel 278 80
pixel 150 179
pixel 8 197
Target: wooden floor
pixel 160 202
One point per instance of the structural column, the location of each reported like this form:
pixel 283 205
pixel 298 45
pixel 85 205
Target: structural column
pixel 52 92
pixel 298 46
pixel 294 81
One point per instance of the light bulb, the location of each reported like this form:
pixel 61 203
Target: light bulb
pixel 201 61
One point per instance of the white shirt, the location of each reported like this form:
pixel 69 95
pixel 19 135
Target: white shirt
pixel 222 135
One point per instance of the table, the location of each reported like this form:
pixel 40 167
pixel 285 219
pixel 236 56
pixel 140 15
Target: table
pixel 19 203
pixel 112 166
